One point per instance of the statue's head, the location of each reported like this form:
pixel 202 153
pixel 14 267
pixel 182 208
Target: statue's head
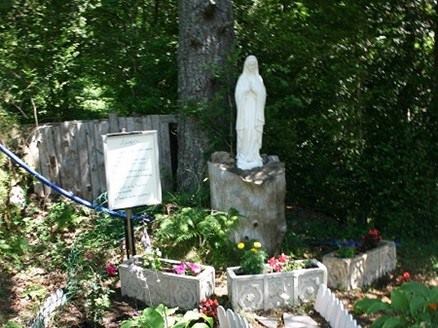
pixel 251 65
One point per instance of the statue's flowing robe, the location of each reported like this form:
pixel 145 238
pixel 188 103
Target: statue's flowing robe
pixel 250 95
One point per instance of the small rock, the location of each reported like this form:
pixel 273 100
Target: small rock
pixel 298 321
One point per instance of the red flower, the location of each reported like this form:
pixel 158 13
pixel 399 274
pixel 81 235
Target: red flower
pixel 111 269
pixel 374 234
pixel 405 276
pixel 209 307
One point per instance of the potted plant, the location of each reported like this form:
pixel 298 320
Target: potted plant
pixel 358 264
pixel 154 280
pixel 280 281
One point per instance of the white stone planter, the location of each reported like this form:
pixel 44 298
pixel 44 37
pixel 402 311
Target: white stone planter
pixel 361 270
pixel 156 287
pixel 272 290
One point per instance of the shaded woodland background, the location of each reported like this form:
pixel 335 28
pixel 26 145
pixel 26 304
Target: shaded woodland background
pixel 352 104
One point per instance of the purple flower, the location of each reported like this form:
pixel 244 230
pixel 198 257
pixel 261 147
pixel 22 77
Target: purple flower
pixel 180 268
pixel 195 268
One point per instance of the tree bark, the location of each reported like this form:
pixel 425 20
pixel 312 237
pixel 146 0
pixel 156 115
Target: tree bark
pixel 206 37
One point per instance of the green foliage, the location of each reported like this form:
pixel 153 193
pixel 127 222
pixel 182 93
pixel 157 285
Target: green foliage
pixel 96 295
pixel 62 215
pixel 84 58
pixel 193 229
pixel 412 305
pixel 162 317
pixel 253 261
pixel 346 252
pixel 12 324
pixel 151 259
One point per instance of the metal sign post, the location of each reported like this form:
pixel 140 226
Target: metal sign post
pixel 129 234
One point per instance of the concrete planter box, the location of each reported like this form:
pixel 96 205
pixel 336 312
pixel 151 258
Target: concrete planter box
pixel 156 287
pixel 361 270
pixel 272 290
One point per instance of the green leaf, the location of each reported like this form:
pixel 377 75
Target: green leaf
pixel 379 306
pixel 152 318
pixel 394 322
pixel 399 301
pixel 415 288
pixel 129 324
pixel 378 323
pixel 363 305
pixel 200 325
pixel 209 320
pixel 416 304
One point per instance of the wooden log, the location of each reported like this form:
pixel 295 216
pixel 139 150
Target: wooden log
pixel 101 128
pixel 92 158
pixel 83 167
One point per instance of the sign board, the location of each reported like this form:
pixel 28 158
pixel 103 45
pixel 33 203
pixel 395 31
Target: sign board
pixel 131 169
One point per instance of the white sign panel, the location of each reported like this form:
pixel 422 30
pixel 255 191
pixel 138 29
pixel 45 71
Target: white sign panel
pixel 131 168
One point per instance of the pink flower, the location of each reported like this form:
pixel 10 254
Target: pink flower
pixel 275 264
pixel 180 268
pixel 195 268
pixel 111 269
pixel 283 258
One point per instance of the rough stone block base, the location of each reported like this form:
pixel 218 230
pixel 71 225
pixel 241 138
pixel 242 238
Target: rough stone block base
pixel 257 194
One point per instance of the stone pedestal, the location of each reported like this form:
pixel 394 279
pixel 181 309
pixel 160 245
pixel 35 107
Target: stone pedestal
pixel 258 195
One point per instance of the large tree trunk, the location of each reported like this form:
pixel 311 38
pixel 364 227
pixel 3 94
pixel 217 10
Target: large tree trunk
pixel 205 39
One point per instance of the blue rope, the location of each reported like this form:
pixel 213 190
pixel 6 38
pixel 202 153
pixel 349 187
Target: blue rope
pixel 119 214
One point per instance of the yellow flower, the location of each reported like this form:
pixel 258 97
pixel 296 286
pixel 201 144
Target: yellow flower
pixel 257 244
pixel 254 250
pixel 240 245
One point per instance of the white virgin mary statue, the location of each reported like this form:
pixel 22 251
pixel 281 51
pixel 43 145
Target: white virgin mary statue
pixel 250 95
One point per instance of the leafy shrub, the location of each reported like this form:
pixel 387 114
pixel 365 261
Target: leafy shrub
pixel 252 260
pixel 162 317
pixel 413 305
pixel 194 229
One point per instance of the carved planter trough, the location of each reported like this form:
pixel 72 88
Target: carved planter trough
pixel 156 287
pixel 272 290
pixel 361 270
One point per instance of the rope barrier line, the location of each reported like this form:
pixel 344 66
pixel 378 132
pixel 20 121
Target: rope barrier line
pixel 69 194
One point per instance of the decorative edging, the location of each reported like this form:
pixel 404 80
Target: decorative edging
pixel 361 270
pixel 156 287
pixel 332 310
pixel 230 319
pixel 50 305
pixel 272 290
